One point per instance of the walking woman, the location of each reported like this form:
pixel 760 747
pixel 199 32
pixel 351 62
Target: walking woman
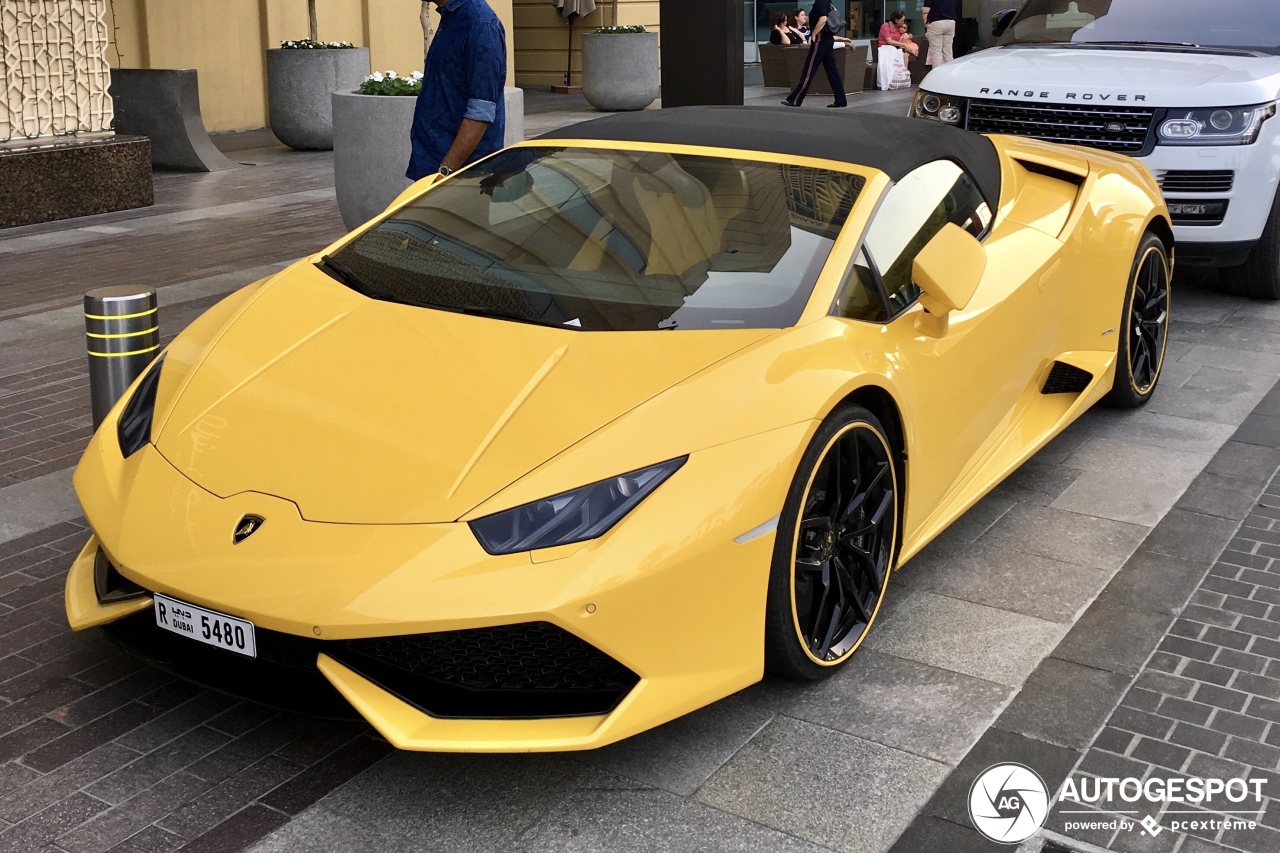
pixel 821 52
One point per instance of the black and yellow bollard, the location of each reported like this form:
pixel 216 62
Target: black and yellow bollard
pixel 122 331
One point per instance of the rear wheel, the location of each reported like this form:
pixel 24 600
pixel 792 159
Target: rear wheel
pixel 1259 277
pixel 835 546
pixel 1144 328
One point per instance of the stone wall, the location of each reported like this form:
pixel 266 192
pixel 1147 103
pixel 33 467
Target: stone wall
pixel 53 70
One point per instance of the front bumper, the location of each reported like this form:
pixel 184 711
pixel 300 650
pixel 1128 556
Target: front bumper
pixel 1248 202
pixel 667 595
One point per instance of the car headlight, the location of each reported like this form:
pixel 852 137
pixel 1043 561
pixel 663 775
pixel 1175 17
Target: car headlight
pixel 575 516
pixel 943 108
pixel 134 427
pixel 1218 126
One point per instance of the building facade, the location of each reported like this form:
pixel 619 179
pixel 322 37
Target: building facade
pixel 542 49
pixel 54 71
pixel 226 42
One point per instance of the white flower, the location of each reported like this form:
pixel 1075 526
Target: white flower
pixel 377 77
pixel 391 75
pixel 415 76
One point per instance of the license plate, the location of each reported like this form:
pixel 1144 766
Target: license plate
pixel 205 626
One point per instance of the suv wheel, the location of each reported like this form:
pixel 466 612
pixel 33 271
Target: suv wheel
pixel 1259 277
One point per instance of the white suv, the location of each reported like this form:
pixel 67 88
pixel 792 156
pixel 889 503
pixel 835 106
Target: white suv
pixel 1188 87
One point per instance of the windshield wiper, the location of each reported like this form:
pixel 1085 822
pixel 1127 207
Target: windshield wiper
pixel 493 313
pixel 348 278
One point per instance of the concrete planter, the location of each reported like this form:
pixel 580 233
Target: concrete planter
pixel 620 70
pixel 371 148
pixel 299 86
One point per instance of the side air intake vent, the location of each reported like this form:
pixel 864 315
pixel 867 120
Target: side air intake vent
pixel 1065 379
pixel 1051 172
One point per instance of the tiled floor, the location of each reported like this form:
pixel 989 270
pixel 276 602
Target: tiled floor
pixel 98 753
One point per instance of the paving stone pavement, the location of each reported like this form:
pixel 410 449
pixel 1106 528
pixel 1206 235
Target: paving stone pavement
pixel 1206 704
pixel 989 623
pixel 1169 673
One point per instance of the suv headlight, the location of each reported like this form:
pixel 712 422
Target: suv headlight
pixel 134 427
pixel 944 108
pixel 1217 126
pixel 575 516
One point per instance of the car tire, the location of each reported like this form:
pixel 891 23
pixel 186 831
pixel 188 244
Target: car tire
pixel 835 546
pixel 1144 326
pixel 1259 277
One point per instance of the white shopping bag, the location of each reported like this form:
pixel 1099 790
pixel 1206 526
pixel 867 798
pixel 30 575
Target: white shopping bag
pixel 888 59
pixel 901 76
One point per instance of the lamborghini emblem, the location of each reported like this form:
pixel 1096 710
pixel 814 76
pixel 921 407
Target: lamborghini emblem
pixel 246 527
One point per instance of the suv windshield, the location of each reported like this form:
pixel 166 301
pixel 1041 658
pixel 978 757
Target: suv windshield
pixel 1247 24
pixel 609 240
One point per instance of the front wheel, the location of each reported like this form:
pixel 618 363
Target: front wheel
pixel 1144 327
pixel 835 546
pixel 1259 277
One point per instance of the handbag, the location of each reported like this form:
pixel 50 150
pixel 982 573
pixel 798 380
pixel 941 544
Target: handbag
pixel 836 22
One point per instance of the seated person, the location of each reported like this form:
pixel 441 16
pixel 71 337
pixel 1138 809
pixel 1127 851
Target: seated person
pixel 891 33
pixel 798 23
pixel 908 40
pixel 780 33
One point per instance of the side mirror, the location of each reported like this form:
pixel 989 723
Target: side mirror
pixel 1002 20
pixel 948 271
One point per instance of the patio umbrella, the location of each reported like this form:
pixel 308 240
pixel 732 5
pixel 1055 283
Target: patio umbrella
pixel 571 10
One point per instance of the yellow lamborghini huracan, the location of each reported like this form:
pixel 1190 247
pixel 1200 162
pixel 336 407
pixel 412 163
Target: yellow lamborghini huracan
pixel 598 430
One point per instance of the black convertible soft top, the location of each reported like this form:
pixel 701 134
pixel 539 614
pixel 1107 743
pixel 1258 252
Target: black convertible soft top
pixel 893 145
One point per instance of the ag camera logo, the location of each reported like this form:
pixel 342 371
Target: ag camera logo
pixel 1008 803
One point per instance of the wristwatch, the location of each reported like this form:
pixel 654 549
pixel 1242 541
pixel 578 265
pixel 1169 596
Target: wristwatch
pixel 445 171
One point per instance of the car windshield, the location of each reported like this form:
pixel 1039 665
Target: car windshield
pixel 1244 24
pixel 603 240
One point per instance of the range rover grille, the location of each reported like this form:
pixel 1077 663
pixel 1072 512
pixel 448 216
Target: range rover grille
pixel 1111 128
pixel 1198 181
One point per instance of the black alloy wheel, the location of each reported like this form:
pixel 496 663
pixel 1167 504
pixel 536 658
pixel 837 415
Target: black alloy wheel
pixel 1144 328
pixel 835 547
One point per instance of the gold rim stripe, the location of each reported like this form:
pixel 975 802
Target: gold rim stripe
pixel 123 354
pixel 125 334
pixel 120 316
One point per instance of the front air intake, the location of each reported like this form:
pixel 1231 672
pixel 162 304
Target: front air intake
pixel 532 669
pixel 109 584
pixel 1065 379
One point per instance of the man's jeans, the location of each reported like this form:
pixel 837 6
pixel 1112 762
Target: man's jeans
pixel 941 35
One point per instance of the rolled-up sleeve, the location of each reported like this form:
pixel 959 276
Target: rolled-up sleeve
pixel 479 110
pixel 487 75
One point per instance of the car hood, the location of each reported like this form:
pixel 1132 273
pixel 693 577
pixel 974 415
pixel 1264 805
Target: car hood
pixel 372 412
pixel 1159 78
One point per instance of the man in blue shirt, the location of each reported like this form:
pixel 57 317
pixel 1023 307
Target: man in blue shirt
pixel 460 116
